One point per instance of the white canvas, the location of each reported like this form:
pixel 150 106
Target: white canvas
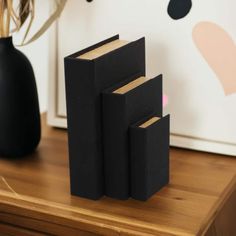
pixel 202 116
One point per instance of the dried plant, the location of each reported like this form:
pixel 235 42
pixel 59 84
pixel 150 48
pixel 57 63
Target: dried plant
pixel 14 14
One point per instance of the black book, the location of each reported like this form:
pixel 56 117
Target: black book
pixel 149 155
pixel 121 107
pixel 87 73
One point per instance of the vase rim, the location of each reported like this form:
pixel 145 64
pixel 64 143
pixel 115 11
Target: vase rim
pixel 6 41
pixel 6 38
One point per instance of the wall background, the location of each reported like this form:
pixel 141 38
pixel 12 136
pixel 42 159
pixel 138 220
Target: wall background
pixel 200 110
pixel 38 51
pixel 202 114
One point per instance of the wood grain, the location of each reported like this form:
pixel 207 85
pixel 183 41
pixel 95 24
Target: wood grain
pixel 224 223
pixel 37 196
pixel 10 230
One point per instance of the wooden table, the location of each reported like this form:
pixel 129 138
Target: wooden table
pixel 35 197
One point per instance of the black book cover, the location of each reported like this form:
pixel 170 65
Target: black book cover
pixel 85 79
pixel 119 111
pixel 149 155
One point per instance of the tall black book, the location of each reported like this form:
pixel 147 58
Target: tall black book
pixel 121 107
pixel 87 73
pixel 149 156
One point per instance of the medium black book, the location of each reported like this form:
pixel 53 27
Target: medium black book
pixel 149 156
pixel 87 74
pixel 121 107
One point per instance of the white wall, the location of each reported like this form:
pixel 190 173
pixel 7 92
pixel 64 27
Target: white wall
pixel 200 111
pixel 37 52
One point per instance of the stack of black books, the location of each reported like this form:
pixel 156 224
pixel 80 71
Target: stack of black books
pixel 118 139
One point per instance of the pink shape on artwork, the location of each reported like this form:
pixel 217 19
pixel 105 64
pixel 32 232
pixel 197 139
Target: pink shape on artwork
pixel 219 50
pixel 165 100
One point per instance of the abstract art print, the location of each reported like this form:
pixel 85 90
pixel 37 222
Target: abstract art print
pixel 191 42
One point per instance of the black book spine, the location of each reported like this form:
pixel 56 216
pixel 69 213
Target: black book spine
pixel 86 167
pixel 85 80
pixel 149 154
pixel 116 169
pixel 119 111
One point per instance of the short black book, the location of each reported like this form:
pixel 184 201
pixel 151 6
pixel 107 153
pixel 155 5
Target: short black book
pixel 149 155
pixel 87 74
pixel 121 107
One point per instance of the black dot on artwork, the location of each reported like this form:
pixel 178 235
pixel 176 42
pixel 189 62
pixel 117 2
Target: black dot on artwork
pixel 178 9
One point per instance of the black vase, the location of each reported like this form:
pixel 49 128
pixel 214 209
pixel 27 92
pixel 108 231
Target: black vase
pixel 20 128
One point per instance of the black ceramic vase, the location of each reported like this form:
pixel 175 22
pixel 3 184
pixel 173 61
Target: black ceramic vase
pixel 20 128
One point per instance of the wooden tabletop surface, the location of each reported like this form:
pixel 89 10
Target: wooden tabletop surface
pixel 35 194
